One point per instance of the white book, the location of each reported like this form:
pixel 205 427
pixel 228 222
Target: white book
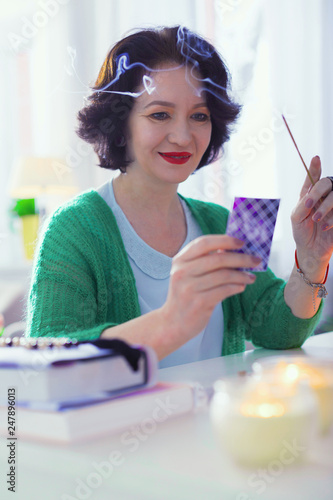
pixel 150 407
pixel 65 374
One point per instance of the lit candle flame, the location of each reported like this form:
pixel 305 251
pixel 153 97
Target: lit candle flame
pixel 291 373
pixel 260 403
pixel 263 410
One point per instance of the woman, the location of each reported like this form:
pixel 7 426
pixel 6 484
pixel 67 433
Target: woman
pixel 136 261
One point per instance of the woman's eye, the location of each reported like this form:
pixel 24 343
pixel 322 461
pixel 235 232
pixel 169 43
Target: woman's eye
pixel 201 117
pixel 162 115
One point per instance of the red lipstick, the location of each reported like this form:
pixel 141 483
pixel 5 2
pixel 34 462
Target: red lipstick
pixel 176 158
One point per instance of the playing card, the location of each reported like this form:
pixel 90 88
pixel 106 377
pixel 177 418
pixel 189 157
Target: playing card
pixel 253 221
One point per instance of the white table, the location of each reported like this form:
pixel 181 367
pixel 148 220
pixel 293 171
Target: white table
pixel 180 460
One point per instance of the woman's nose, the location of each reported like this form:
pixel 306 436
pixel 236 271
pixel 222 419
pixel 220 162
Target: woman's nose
pixel 180 133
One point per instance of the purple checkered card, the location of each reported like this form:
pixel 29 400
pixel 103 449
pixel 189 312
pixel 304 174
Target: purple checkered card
pixel 253 220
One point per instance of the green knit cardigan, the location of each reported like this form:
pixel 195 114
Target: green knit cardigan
pixel 82 282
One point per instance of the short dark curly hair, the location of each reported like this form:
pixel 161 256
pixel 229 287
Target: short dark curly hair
pixel 103 121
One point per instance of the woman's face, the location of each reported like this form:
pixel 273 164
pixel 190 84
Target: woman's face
pixel 169 128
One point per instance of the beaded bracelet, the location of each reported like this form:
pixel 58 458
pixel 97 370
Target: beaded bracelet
pixel 38 342
pixel 322 292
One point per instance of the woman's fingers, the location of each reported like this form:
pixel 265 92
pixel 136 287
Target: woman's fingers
pixel 204 256
pixel 207 244
pixel 224 277
pixel 318 202
pixel 208 271
pixel 315 200
pixel 219 260
pixel 208 253
pixel 324 208
pixel 315 172
pixel 204 273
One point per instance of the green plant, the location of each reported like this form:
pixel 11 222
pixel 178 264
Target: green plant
pixel 24 207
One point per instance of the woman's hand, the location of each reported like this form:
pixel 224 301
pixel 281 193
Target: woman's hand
pixel 312 220
pixel 203 274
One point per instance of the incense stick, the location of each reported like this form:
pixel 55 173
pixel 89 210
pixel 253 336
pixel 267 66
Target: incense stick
pixel 292 137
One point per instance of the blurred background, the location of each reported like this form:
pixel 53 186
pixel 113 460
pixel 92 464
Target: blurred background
pixel 279 53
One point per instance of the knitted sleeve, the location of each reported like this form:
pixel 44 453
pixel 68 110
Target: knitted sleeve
pixel 269 321
pixel 68 290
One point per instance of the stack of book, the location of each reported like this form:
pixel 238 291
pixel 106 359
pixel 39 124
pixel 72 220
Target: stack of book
pixel 62 391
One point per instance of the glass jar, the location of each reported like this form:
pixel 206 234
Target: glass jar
pixel 258 421
pixel 318 372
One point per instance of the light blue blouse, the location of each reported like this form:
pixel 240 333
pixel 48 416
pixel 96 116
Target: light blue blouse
pixel 152 271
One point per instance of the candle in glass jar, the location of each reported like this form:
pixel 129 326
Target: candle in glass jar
pixel 258 422
pixel 319 374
